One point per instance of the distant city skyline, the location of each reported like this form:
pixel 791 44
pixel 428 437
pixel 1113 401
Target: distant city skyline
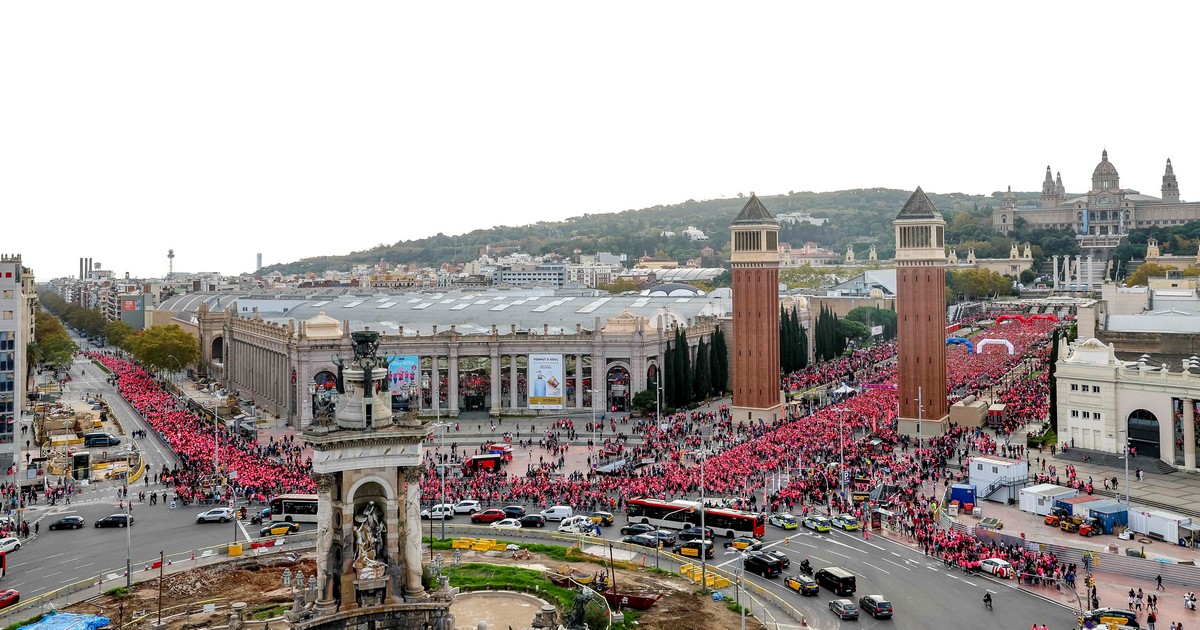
pixel 295 131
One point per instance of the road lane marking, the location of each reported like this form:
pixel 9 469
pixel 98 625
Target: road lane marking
pixel 67 560
pixel 970 582
pixel 898 564
pixel 51 574
pixel 951 576
pixel 931 568
pixel 56 555
pixel 877 568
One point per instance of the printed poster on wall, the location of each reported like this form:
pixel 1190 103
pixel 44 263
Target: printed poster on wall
pixel 545 380
pixel 403 375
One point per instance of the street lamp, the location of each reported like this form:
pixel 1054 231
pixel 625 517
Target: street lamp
pixel 595 439
pixel 128 546
pixel 741 575
pixel 842 447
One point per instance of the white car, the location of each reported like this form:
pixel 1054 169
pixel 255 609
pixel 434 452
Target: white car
pixel 467 507
pixel 9 545
pixel 439 512
pixel 997 567
pixel 508 523
pixel 219 515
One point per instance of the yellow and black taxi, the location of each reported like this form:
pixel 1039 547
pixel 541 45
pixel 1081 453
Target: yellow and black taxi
pixel 692 549
pixel 802 584
pixel 846 522
pixel 601 518
pixel 784 521
pixel 818 523
pixel 278 529
pixel 1103 616
pixel 743 543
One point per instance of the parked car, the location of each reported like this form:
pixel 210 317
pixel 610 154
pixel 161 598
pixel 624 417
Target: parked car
pixel 845 522
pixel 1101 617
pixel 439 512
pixel 817 523
pixel 67 522
pixel 216 515
pixel 784 521
pixel 997 567
pixel 508 523
pixel 695 533
pixel 802 584
pixel 10 544
pixel 742 543
pixel 644 540
pixel 876 606
pixel 488 516
pixel 636 528
pixel 278 529
pixel 8 597
pixel 514 511
pixel 844 609
pixel 468 507
pixel 533 520
pixel 115 520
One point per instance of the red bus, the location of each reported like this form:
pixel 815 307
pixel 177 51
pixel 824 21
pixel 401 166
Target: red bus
pixel 681 514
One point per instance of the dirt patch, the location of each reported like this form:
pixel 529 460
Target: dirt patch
pixel 499 610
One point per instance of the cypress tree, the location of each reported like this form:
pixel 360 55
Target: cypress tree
pixel 703 383
pixel 685 369
pixel 803 334
pixel 719 360
pixel 785 357
pixel 668 376
pixel 1053 407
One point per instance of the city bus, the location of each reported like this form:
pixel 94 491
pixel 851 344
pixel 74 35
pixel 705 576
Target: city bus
pixel 301 508
pixel 680 514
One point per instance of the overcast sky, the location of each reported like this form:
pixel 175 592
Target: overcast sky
pixel 298 129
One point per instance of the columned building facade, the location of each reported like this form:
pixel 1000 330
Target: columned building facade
pixel 921 317
pixel 755 262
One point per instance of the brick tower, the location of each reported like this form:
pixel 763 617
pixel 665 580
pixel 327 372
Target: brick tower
pixel 921 316
pixel 755 238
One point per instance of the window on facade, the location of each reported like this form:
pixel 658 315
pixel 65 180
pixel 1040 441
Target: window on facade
pixel 8 314
pixel 1095 389
pixel 1087 415
pixel 1074 387
pixel 1096 415
pixel 8 294
pixel 1074 413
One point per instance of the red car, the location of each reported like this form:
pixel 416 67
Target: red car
pixel 488 516
pixel 9 597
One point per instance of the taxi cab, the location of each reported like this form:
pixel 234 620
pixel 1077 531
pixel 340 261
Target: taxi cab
pixel 818 523
pixel 278 529
pixel 601 518
pixel 784 521
pixel 1104 616
pixel 802 584
pixel 742 543
pixel 846 522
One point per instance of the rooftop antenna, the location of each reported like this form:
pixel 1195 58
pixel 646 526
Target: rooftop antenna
pixel 170 263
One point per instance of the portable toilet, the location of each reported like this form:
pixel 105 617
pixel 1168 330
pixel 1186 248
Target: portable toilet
pixel 1111 514
pixel 963 493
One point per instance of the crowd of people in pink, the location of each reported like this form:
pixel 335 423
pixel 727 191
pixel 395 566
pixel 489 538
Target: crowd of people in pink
pixel 262 469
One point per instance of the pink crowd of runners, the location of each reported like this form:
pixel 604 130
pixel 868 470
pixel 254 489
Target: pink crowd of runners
pixel 262 469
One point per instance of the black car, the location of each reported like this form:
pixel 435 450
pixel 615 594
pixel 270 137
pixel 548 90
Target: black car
pixel 667 538
pixel 1101 617
pixel 636 528
pixel 876 606
pixel 695 533
pixel 644 540
pixel 533 520
pixel 513 511
pixel 115 520
pixel 68 522
pixel 780 556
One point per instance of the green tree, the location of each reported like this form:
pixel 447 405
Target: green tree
pixel 1053 364
pixel 702 384
pixel 873 316
pixel 117 332
pixel 644 401
pixel 719 360
pixel 165 348
pixel 669 377
pixel 850 329
pixel 53 346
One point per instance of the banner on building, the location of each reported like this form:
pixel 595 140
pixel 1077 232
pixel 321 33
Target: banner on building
pixel 876 331
pixel 403 375
pixel 129 305
pixel 546 383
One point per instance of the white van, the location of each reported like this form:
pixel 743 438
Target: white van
pixel 558 513
pixel 439 512
pixel 577 525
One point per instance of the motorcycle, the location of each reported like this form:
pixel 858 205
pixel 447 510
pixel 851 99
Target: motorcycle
pixel 806 568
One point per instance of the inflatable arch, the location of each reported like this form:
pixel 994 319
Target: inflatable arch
pixel 1046 316
pixel 997 342
pixel 970 346
pixel 1004 318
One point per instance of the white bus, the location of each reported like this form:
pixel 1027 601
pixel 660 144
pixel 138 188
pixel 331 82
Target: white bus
pixel 680 514
pixel 301 508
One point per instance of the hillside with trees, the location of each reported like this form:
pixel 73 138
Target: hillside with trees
pixel 859 217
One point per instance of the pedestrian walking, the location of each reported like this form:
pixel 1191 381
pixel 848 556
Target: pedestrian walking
pixel 1150 619
pixel 1158 582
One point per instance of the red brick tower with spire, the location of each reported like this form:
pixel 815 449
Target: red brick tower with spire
pixel 755 262
pixel 921 317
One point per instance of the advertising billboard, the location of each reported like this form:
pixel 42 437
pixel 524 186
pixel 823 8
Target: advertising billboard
pixel 403 375
pixel 546 383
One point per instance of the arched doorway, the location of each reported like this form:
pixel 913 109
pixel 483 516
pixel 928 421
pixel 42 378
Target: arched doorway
pixel 618 389
pixel 1143 433
pixel 324 384
pixel 218 350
